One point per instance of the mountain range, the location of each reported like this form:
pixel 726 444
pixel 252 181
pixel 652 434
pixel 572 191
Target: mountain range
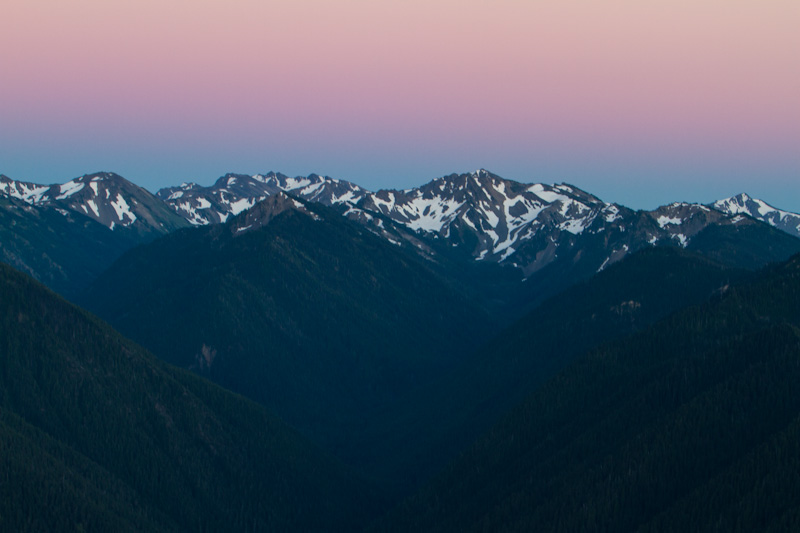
pixel 474 217
pixel 491 218
pixel 473 354
pixel 375 329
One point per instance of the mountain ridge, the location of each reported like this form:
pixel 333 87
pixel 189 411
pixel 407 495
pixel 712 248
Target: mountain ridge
pixel 106 197
pixel 496 219
pixel 415 207
pixel 470 218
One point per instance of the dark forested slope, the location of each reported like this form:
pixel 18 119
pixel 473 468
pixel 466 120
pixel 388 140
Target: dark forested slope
pixel 691 425
pixel 96 434
pixel 64 250
pixel 424 430
pixel 296 307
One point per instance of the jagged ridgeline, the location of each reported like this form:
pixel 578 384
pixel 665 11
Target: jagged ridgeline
pixel 552 235
pixel 691 425
pixel 96 434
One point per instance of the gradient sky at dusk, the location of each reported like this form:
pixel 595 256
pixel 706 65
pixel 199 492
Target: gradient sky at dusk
pixel 639 102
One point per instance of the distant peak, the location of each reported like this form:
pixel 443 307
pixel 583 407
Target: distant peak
pixel 225 179
pixel 483 173
pixel 740 198
pixel 98 176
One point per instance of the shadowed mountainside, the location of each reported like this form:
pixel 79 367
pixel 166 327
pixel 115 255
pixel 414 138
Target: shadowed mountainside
pixel 96 434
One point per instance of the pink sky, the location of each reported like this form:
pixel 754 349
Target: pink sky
pixel 660 101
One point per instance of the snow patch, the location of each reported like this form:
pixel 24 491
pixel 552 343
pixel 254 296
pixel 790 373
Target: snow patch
pixel 611 213
pixel 469 223
pixel 241 205
pixel 296 183
pixel 68 189
pixel 663 221
pixel 763 208
pixel 547 195
pixel 425 214
pixel 31 194
pixel 510 250
pixel 491 218
pixel 576 225
pixel 123 210
pixel 307 191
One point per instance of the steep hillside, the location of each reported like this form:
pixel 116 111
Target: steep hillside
pixel 295 307
pixel 96 434
pixel 691 425
pixel 64 250
pixel 430 425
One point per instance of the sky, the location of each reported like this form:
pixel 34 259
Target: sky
pixel 639 102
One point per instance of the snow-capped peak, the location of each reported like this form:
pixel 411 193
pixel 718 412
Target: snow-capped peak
pixel 482 208
pixel 744 204
pixel 104 196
